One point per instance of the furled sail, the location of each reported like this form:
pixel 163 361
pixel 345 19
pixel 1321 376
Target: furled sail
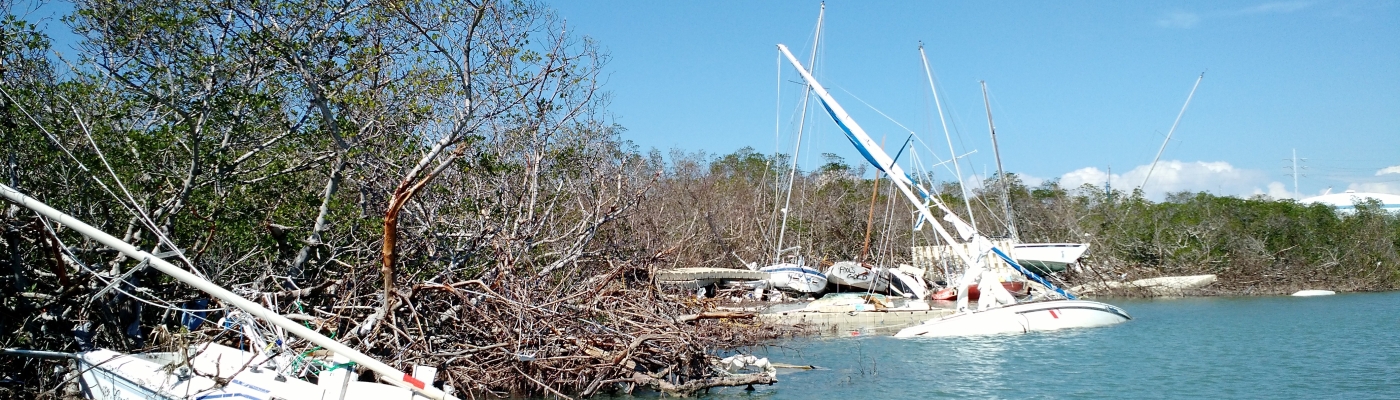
pixel 921 199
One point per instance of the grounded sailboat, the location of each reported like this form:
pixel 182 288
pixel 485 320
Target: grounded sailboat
pixel 998 312
pixel 790 276
pixel 795 277
pixel 212 371
pixel 1042 258
pixel 1045 258
pixel 856 275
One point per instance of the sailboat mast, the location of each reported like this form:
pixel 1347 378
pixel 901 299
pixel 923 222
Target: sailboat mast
pixel 953 153
pixel 1173 129
pixel 877 156
pixel 1001 173
pixel 870 219
pixel 387 373
pixel 801 124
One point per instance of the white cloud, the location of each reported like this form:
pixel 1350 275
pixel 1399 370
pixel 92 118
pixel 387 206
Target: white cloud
pixel 1187 19
pixel 1277 190
pixel 1394 169
pixel 1217 177
pixel 1179 19
pixel 1030 181
pixel 1277 7
pixel 1375 187
pixel 1090 175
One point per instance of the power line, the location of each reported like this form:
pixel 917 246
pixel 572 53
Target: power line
pixel 1296 171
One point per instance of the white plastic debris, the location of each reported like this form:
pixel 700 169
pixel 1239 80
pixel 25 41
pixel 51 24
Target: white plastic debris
pixel 736 364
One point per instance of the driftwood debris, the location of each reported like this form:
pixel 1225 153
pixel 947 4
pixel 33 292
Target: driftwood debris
pixel 715 315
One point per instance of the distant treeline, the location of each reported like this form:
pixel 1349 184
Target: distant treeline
pixel 718 205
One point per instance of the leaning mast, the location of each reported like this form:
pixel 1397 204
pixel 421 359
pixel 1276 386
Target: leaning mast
pixel 1001 173
pixel 877 156
pixel 1169 132
pixel 967 201
pixel 386 373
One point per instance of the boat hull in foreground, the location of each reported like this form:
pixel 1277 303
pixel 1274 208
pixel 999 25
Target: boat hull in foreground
pixel 216 372
pixel 1020 318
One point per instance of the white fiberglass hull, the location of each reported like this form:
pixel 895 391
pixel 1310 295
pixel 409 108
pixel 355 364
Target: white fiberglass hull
pixel 908 285
pixel 110 375
pixel 1048 256
pixel 796 278
pixel 853 274
pixel 1020 318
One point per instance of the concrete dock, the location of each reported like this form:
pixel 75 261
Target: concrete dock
pixel 708 274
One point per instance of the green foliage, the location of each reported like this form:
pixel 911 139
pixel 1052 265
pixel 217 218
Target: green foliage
pixel 1253 244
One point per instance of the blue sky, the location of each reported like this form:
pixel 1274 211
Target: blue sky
pixel 1082 91
pixel 1078 88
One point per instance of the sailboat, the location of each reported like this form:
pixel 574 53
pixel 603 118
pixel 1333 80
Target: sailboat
pixel 1045 258
pixel 856 275
pixel 796 276
pixel 213 371
pixel 1041 258
pixel 998 311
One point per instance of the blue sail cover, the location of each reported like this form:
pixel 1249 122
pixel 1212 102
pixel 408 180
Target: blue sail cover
pixel 866 152
pixel 926 196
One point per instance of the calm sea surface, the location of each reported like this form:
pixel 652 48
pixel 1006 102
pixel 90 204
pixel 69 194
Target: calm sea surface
pixel 1343 346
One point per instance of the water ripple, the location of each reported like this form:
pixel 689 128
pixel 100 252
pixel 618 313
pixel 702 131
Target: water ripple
pixel 1344 346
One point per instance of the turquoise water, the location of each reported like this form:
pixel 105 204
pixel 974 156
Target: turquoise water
pixel 1343 346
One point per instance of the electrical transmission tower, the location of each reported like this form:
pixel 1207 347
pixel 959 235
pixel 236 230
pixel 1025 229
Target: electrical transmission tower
pixel 1296 171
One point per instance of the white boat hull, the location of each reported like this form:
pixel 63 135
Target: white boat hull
pixel 1048 256
pixel 909 285
pixel 853 274
pixel 110 375
pixel 796 278
pixel 1021 318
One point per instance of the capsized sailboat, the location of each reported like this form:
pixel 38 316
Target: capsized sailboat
pixel 212 371
pixel 859 276
pixel 998 312
pixel 795 277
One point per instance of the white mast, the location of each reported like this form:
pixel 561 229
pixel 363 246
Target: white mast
pixel 953 153
pixel 1001 174
pixel 877 156
pixel 1169 132
pixel 387 373
pixel 792 173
